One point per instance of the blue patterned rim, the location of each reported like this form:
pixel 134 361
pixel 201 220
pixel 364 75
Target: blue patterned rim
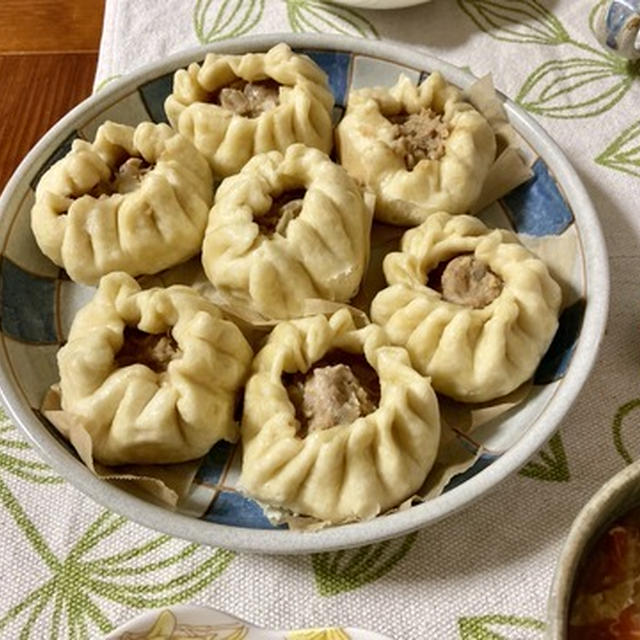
pixel 33 294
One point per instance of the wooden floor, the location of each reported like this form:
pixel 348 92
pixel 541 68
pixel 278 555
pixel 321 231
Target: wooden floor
pixel 48 55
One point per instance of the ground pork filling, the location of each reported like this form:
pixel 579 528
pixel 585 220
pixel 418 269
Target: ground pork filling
pixel 125 178
pixel 248 99
pixel 465 280
pixel 336 390
pixel 152 350
pixel 419 136
pixel 284 208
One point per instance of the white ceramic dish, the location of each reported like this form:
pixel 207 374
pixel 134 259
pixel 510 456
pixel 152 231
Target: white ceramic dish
pixel 617 496
pixel 37 303
pixel 192 622
pixel 380 4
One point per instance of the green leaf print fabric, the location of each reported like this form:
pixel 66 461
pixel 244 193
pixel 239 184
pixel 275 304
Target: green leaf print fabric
pixel 214 20
pixel 623 154
pixel 575 87
pixel 72 569
pixel 550 463
pixel 107 564
pixel 316 16
pixel 347 570
pixel 524 21
pixel 496 627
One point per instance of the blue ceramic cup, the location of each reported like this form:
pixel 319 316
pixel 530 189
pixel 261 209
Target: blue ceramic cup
pixel 618 27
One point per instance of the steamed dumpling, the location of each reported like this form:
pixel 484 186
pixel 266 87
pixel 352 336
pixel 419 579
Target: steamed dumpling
pixel 474 308
pixel 134 200
pixel 233 107
pixel 285 229
pixel 419 149
pixel 336 423
pixel 153 374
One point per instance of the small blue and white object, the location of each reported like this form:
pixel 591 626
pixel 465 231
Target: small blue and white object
pixel 618 27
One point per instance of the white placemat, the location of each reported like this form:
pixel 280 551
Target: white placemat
pixel 74 570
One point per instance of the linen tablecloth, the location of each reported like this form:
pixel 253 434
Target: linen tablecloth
pixel 72 569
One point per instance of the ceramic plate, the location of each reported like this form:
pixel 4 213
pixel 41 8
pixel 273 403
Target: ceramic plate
pixel 181 622
pixel 380 4
pixel 37 303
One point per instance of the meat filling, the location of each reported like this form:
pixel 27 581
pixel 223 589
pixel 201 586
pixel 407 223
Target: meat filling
pixel 419 136
pixel 249 99
pixel 126 178
pixel 152 350
pixel 338 389
pixel 467 281
pixel 284 208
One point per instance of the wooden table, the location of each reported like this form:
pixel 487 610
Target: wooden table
pixel 48 55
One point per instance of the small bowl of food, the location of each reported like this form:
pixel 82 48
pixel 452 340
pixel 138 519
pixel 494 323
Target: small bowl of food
pixel 594 593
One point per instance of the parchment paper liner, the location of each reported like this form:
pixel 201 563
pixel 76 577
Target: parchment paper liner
pixel 509 169
pixel 167 484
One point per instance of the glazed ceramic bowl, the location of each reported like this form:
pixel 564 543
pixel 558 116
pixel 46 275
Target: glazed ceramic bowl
pixel 614 499
pixel 37 303
pixel 196 621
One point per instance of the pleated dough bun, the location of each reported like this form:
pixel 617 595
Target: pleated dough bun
pixel 134 200
pixel 478 327
pixel 356 469
pixel 152 373
pixel 420 149
pixel 272 258
pixel 233 107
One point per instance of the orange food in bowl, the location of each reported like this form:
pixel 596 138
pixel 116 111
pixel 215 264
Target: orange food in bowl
pixel 605 603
